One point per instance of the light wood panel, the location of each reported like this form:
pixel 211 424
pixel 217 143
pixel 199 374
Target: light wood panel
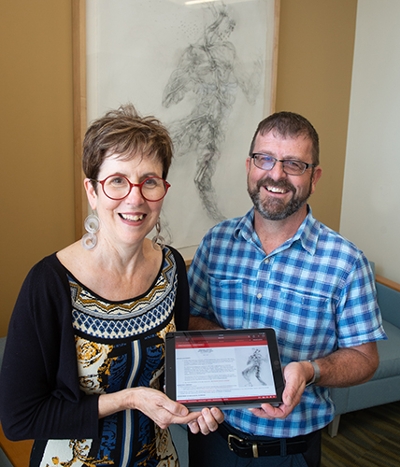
pixel 18 452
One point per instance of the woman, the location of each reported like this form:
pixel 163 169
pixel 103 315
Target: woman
pixel 83 366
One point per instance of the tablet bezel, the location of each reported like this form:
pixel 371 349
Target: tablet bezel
pixel 275 363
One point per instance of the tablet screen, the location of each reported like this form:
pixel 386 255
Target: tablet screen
pixel 224 368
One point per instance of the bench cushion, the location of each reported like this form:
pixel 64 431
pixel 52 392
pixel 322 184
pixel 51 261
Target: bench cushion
pixel 389 353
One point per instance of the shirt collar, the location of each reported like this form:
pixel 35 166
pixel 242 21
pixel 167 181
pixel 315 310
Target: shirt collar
pixel 307 233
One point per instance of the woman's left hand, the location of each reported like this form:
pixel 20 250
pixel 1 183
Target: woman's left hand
pixel 207 422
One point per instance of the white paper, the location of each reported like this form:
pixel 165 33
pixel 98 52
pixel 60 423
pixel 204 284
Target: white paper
pixel 205 71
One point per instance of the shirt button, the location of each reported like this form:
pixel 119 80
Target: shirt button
pixel 259 296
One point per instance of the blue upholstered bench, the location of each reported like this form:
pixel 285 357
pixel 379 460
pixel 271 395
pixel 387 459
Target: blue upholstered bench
pixel 2 346
pixel 4 461
pixel 384 387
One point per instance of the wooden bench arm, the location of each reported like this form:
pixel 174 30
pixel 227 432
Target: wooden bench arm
pixel 389 283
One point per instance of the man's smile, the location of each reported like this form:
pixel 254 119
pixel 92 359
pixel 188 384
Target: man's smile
pixel 274 189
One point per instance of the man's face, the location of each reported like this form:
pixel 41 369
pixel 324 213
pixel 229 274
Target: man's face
pixel 275 194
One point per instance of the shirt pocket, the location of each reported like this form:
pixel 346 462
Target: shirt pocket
pixel 306 322
pixel 306 300
pixel 226 297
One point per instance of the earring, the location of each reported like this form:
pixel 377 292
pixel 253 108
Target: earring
pixel 92 225
pixel 158 240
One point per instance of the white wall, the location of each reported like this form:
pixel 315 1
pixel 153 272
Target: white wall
pixel 370 214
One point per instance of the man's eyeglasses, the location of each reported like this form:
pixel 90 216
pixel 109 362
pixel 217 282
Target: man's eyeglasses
pixel 118 187
pixel 290 166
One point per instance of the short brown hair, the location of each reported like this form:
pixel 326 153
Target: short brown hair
pixel 125 132
pixel 289 124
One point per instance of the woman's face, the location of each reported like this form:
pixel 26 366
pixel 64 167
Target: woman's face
pixel 129 220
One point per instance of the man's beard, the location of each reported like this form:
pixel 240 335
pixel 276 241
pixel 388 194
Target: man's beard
pixel 275 209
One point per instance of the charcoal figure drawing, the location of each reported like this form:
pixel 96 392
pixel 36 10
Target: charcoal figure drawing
pixel 253 368
pixel 211 73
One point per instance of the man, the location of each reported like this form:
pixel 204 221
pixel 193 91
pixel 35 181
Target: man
pixel 279 267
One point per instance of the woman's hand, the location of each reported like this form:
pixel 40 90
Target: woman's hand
pixel 160 408
pixel 155 404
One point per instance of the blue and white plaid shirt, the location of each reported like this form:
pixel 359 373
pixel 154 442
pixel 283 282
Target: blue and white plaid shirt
pixel 316 290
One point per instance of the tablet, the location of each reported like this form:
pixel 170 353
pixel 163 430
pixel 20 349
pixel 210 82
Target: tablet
pixel 223 368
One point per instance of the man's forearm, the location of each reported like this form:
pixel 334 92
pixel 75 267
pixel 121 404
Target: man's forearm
pixel 348 367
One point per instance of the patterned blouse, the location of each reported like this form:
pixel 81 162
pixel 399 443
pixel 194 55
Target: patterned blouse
pixel 120 345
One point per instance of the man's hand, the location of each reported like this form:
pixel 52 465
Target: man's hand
pixel 342 368
pixel 207 422
pixel 296 375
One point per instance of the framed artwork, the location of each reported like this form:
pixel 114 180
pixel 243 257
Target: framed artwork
pixel 207 70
